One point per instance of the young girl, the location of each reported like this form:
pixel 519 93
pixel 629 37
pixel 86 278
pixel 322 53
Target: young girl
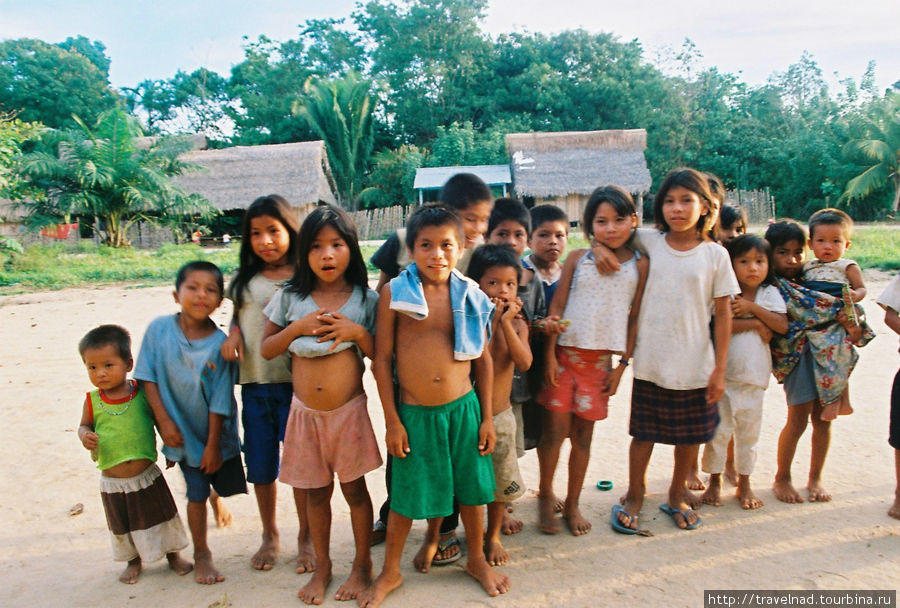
pixel 678 376
pixel 325 316
pixel 732 223
pixel 268 245
pixel 758 312
pixel 603 311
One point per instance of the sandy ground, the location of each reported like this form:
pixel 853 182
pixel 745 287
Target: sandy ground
pixel 48 557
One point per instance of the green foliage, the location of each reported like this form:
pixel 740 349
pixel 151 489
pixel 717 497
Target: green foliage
pixel 392 178
pixel 878 146
pixel 13 133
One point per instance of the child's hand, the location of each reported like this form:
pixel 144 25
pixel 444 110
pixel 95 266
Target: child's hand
pixel 233 346
pixel 487 438
pixel 307 325
pixel 551 371
pixel 604 258
pixel 612 381
pixel 741 307
pixel 716 386
pixel 513 307
pixel 552 325
pixel 396 441
pixel 211 460
pixel 337 327
pixel 170 434
pixel 764 332
pixel 169 463
pixel 89 440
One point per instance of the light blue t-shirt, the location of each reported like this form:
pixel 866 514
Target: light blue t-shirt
pixel 194 381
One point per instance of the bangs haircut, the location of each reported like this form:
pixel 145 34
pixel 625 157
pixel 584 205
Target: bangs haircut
pixel 541 214
pixel 490 256
pixel 831 217
pixel 250 264
pixel 200 266
pixel 750 242
pixel 304 279
pixel 696 182
pixel 464 190
pixel 616 196
pixel 785 231
pixel 733 216
pixel 433 215
pixel 106 335
pixel 509 209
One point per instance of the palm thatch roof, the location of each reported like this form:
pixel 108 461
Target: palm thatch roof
pixel 232 178
pixel 577 162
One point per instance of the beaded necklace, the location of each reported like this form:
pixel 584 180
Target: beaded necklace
pixel 131 394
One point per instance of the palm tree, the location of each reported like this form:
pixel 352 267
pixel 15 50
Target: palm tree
pixel 340 112
pixel 880 145
pixel 108 173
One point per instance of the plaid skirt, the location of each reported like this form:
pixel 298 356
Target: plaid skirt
pixel 661 415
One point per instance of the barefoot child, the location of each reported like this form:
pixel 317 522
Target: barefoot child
pixel 758 312
pixel 117 427
pixel 181 368
pixel 433 321
pixel 890 301
pixel 268 248
pixel 325 315
pixel 579 374
pixel 496 268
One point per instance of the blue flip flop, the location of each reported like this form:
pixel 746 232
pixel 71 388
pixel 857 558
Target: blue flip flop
pixel 619 526
pixel 671 511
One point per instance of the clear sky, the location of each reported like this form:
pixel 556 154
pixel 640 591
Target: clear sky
pixel 153 39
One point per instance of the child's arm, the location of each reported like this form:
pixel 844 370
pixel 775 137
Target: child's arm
pixel 892 319
pixel 168 430
pixel 515 331
pixel 722 322
pixel 396 439
pixel 612 381
pixel 557 305
pixel 212 453
pixel 775 321
pixel 233 346
pixel 739 326
pixel 277 339
pixel 86 429
pixel 339 328
pixel 857 286
pixel 483 367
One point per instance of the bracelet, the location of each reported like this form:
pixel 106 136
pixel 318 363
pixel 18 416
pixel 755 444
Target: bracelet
pixel 624 362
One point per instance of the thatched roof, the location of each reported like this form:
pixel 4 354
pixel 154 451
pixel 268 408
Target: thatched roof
pixel 432 178
pixel 577 162
pixel 232 178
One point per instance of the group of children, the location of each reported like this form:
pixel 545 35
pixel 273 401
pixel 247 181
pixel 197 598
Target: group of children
pixel 470 344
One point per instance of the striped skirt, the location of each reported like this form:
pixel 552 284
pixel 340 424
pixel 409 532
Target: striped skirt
pixel 662 415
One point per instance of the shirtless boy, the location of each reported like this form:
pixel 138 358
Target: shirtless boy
pixel 441 433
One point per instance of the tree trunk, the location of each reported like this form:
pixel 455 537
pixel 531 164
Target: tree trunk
pixel 896 181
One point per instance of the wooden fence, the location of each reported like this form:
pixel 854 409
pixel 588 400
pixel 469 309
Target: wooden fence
pixel 380 222
pixel 759 204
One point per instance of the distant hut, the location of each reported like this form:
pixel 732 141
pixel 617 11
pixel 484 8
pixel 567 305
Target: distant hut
pixel 431 179
pixel 564 168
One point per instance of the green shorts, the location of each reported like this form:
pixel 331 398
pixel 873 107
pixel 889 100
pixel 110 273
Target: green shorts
pixel 443 460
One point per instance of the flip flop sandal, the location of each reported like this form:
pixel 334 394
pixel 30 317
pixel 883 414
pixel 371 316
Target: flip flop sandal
pixel 379 533
pixel 443 546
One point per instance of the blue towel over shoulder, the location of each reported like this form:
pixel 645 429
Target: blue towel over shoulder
pixel 472 309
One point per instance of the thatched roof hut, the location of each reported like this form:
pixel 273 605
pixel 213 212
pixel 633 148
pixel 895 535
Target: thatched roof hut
pixel 232 178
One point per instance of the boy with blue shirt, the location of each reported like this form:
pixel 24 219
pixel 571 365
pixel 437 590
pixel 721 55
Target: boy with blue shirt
pixel 181 368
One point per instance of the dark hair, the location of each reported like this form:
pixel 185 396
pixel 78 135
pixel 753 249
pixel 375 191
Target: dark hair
pixel 731 215
pixel 490 256
pixel 304 279
pixel 464 190
pixel 750 242
pixel 200 266
pixel 616 196
pixel 784 231
pixel 716 187
pixel 696 182
pixel 433 215
pixel 250 264
pixel 104 335
pixel 541 214
pixel 831 217
pixel 509 209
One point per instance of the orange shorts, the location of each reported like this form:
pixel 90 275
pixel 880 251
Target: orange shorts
pixel 582 374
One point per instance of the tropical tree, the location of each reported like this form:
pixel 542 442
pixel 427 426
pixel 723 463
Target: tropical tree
pixel 108 174
pixel 340 112
pixel 879 147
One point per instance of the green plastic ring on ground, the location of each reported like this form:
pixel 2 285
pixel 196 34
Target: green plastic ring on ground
pixel 604 485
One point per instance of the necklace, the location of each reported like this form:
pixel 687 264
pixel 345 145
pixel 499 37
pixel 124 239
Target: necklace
pixel 131 393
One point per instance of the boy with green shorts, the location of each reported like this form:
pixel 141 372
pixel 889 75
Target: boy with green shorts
pixel 441 433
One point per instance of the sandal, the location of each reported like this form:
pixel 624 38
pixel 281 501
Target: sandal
pixel 443 545
pixel 379 533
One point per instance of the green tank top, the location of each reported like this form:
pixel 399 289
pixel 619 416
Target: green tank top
pixel 125 429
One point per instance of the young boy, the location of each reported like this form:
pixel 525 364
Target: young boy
pixel 473 200
pixel 117 427
pixel 497 270
pixel 890 301
pixel 191 390
pixel 441 433
pixel 549 235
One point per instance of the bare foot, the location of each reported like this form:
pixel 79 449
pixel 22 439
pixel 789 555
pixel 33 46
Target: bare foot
pixel 432 550
pixel 264 558
pixel 713 494
pixel 495 553
pixel 492 581
pixel 547 511
pixel 748 499
pixel 693 500
pixel 830 411
pixel 785 492
pixel 894 511
pixel 693 481
pixel 375 594
pixel 731 473
pixel 558 503
pixel 845 409
pixel 204 571
pixel 359 580
pixel 131 572
pixel 221 513
pixel 510 524
pixel 313 592
pixel 629 517
pixel 177 563
pixel 816 493
pixel 578 525
pixel 306 555
pixel 686 517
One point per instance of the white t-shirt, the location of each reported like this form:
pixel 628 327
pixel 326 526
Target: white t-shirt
pixel 674 347
pixel 749 358
pixel 890 297
pixel 255 368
